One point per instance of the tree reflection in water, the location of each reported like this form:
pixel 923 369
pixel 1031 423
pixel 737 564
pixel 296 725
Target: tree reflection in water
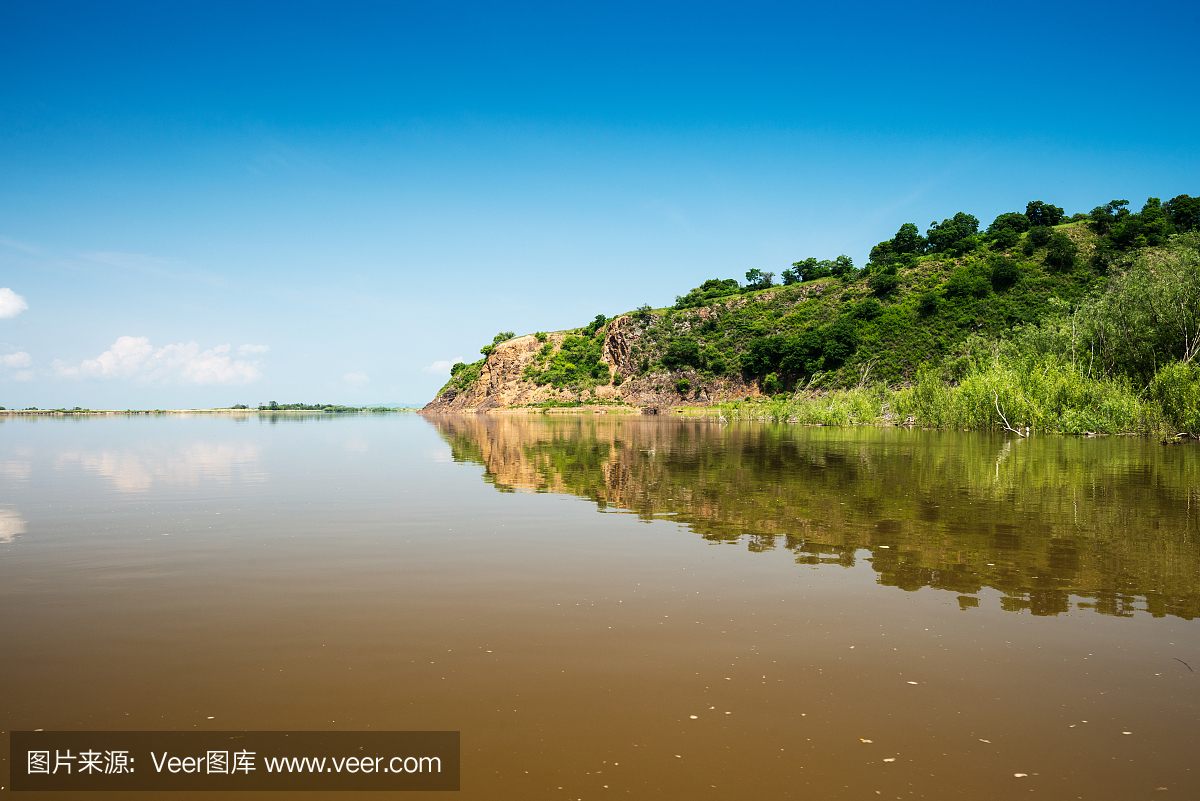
pixel 1052 523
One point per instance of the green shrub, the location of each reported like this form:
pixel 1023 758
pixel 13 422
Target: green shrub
pixel 1038 236
pixel 868 309
pixel 682 352
pixel 682 386
pixel 884 283
pixel 928 303
pixel 1005 273
pixel 967 281
pixel 1176 390
pixel 1061 252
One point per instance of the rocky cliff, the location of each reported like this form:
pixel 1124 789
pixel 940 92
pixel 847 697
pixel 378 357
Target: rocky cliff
pixel 503 380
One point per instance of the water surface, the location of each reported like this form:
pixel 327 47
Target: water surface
pixel 756 611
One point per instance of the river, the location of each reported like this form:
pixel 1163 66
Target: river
pixel 611 606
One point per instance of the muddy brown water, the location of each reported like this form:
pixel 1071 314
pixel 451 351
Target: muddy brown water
pixel 619 607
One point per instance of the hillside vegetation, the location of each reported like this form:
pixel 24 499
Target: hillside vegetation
pixel 1087 323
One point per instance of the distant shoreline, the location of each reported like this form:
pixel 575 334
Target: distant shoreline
pixel 112 412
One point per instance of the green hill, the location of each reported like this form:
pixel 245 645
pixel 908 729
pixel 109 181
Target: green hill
pixel 1112 295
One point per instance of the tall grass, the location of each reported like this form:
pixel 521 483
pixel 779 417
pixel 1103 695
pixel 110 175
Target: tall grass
pixel 1044 394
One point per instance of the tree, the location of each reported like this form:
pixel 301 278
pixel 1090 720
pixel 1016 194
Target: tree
pixel 708 291
pixel 1005 239
pixel 1061 252
pixel 1184 212
pixel 682 352
pixel 909 240
pixel 842 266
pixel 1005 272
pixel 884 283
pixel 1040 213
pixel 881 254
pixel 503 336
pixel 1038 237
pixel 955 235
pixel 757 279
pixel 1106 216
pixel 806 270
pixel 965 282
pixel 1010 221
pixel 595 325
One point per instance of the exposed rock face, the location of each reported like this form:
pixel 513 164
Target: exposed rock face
pixel 501 386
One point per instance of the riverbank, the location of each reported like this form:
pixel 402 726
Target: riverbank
pixel 1047 395
pixel 81 412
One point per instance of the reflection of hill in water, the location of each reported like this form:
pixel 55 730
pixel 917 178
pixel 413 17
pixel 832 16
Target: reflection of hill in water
pixel 1110 521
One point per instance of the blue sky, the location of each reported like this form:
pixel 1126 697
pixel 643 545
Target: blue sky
pixel 213 203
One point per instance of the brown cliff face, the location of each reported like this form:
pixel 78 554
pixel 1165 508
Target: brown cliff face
pixel 500 385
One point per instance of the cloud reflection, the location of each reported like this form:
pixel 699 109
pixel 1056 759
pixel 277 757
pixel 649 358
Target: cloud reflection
pixel 187 464
pixel 11 524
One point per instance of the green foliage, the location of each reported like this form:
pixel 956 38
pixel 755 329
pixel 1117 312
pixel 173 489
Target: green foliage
pixel 707 292
pixel 1005 239
pixel 1176 390
pixel 503 336
pixel 1061 252
pixel 810 351
pixel 969 280
pixel 576 364
pixel 1099 336
pixel 867 309
pixel 1010 221
pixel 1043 214
pixel 1146 317
pixel 1048 395
pixel 958 234
pixel 331 408
pixel 1184 213
pixel 1122 231
pixel 1038 237
pixel 682 352
pixel 757 279
pixel 1005 272
pixel 811 269
pixel 907 242
pixel 463 377
pixel 541 336
pixel 682 386
pixel 595 325
pixel 771 383
pixel 884 283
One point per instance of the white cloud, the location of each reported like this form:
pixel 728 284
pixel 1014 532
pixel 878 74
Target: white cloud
pixel 135 358
pixel 129 261
pixel 442 367
pixel 18 359
pixel 356 378
pixel 246 350
pixel 12 243
pixel 11 304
